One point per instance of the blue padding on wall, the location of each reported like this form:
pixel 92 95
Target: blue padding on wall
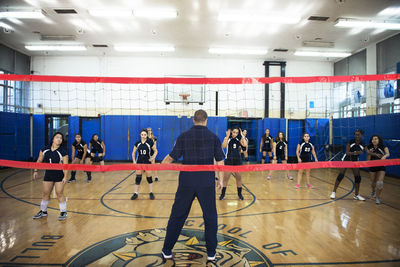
pixel 394 149
pixel 14 136
pixel 73 128
pixel 23 140
pixel 295 133
pixel 38 134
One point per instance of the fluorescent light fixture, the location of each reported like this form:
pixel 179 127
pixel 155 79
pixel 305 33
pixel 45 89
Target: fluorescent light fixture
pixel 235 51
pixel 110 13
pixel 15 21
pixel 156 13
pixel 390 11
pixel 240 16
pixel 134 48
pixel 37 14
pixel 55 47
pixel 321 54
pixel 5 26
pixel 353 23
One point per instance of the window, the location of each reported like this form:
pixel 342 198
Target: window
pixel 13 95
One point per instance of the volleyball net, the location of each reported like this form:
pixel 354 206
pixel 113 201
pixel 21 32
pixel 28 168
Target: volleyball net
pixel 329 108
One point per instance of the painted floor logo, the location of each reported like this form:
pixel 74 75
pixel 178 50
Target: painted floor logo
pixel 142 248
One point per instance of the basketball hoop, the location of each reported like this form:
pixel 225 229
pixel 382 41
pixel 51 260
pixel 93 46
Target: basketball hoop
pixel 184 97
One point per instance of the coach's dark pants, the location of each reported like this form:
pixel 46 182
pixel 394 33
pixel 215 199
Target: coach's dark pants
pixel 180 211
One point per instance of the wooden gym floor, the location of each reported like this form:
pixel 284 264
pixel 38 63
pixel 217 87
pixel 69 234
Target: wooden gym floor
pixel 275 225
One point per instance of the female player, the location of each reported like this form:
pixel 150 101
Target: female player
pixel 244 149
pixel 266 146
pixel 53 153
pixel 376 150
pixel 303 152
pixel 354 148
pixel 96 145
pixel 280 151
pixel 152 137
pixel 81 148
pixel 143 147
pixel 232 142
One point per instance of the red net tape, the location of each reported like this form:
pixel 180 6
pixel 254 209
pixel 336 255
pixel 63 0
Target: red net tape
pixel 193 168
pixel 153 80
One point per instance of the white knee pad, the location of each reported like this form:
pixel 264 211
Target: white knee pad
pixel 379 184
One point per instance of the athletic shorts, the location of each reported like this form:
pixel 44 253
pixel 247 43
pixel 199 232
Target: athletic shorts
pixel 143 161
pixel 377 169
pixel 267 149
pixel 244 149
pixel 96 151
pixel 305 159
pixel 350 158
pixel 79 156
pixel 280 157
pixel 53 178
pixel 233 161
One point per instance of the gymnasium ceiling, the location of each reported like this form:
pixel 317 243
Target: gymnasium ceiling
pixel 197 26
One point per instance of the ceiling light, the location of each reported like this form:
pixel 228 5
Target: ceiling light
pixel 155 13
pixel 55 47
pixel 5 26
pixel 38 14
pixel 321 54
pixel 133 48
pixel 241 51
pixel 352 23
pixel 390 11
pixel 240 16
pixel 110 12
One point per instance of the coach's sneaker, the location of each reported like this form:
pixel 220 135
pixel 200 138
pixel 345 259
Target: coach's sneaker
pixel 359 197
pixel 372 195
pixel 40 214
pixel 166 255
pixel 152 196
pixel 135 196
pixel 211 258
pixel 297 186
pixel 333 195
pixel 378 201
pixel 63 216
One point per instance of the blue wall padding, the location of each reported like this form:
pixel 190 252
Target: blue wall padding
pixel 38 134
pixel 394 149
pixel 295 133
pixel 73 128
pixel 14 136
pixel 319 135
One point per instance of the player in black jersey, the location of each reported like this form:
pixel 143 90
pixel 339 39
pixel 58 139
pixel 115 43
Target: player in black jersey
pixel 305 150
pixel 143 147
pixel 152 137
pixel 376 150
pixel 280 152
pixel 266 146
pixel 79 146
pixel 53 153
pixel 244 149
pixel 232 142
pixel 354 148
pixel 97 152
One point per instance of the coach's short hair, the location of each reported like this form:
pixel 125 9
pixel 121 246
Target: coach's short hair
pixel 200 116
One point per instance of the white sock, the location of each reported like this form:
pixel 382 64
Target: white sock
pixel 43 205
pixel 63 206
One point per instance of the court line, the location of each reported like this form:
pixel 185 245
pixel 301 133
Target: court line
pixel 335 263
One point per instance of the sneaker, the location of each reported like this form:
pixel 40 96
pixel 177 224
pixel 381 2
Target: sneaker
pixel 135 196
pixel 378 201
pixel 309 186
pixel 63 216
pixel 268 177
pixel 152 196
pixel 240 196
pixel 358 197
pixel 372 195
pixel 71 180
pixel 156 179
pixel 166 256
pixel 290 177
pixel 211 258
pixel 297 186
pixel 333 195
pixel 222 196
pixel 40 214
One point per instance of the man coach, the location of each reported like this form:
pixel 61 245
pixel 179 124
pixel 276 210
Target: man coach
pixel 197 146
